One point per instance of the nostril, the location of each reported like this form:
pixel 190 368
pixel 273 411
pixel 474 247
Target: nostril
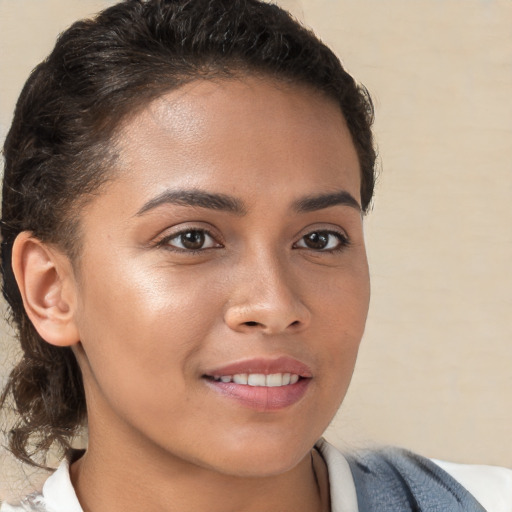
pixel 251 324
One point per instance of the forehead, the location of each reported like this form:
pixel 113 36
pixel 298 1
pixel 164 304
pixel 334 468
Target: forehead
pixel 229 133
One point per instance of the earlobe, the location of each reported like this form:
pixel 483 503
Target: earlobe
pixel 46 282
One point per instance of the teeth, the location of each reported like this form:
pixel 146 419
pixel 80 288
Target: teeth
pixel 240 378
pixel 256 379
pixel 274 380
pixel 259 379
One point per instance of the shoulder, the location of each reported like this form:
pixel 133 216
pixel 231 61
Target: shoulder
pixel 57 495
pixel 490 485
pixel 395 479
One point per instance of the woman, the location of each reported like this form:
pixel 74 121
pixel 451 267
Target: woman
pixel 184 258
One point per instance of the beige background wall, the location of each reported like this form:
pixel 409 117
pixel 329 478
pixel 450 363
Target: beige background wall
pixel 434 372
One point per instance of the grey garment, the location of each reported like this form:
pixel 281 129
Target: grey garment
pixel 395 480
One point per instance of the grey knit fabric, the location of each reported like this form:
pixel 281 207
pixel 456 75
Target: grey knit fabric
pixel 395 480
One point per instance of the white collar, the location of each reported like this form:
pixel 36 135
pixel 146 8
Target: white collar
pixel 58 492
pixel 341 482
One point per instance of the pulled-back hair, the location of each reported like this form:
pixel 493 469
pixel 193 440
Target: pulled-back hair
pixel 59 148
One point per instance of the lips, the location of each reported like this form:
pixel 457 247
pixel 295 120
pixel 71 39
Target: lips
pixel 261 384
pixel 263 366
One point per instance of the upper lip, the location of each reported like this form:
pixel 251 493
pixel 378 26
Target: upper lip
pixel 265 366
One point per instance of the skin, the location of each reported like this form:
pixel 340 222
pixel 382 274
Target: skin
pixel 148 317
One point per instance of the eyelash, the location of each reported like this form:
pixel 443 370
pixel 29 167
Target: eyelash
pixel 343 241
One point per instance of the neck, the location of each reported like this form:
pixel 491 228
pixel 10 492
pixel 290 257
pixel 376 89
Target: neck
pixel 104 484
pixel 121 477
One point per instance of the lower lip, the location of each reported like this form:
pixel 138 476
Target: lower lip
pixel 262 398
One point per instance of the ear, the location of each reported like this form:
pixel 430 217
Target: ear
pixel 47 285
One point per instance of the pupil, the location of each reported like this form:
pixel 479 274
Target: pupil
pixel 192 239
pixel 317 240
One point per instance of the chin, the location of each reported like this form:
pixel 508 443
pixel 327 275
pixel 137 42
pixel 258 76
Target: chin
pixel 262 456
pixel 261 467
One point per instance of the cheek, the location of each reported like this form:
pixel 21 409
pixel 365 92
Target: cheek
pixel 125 300
pixel 342 295
pixel 341 312
pixel 142 328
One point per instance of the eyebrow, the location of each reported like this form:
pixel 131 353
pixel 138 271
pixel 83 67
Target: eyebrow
pixel 223 202
pixel 199 198
pixel 319 202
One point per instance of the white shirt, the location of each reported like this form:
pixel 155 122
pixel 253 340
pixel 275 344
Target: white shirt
pixel 490 485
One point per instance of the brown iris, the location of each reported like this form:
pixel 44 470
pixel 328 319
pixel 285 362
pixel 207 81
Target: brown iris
pixel 317 240
pixel 192 240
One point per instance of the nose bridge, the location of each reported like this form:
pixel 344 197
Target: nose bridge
pixel 272 280
pixel 266 296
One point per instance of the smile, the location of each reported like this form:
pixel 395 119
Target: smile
pixel 261 384
pixel 259 379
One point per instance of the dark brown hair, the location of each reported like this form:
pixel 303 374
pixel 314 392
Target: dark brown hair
pixel 59 146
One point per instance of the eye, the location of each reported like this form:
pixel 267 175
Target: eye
pixel 323 241
pixel 190 240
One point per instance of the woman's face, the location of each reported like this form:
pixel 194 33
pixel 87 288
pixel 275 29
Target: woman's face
pixel 223 285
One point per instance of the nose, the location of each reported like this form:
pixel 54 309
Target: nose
pixel 265 298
